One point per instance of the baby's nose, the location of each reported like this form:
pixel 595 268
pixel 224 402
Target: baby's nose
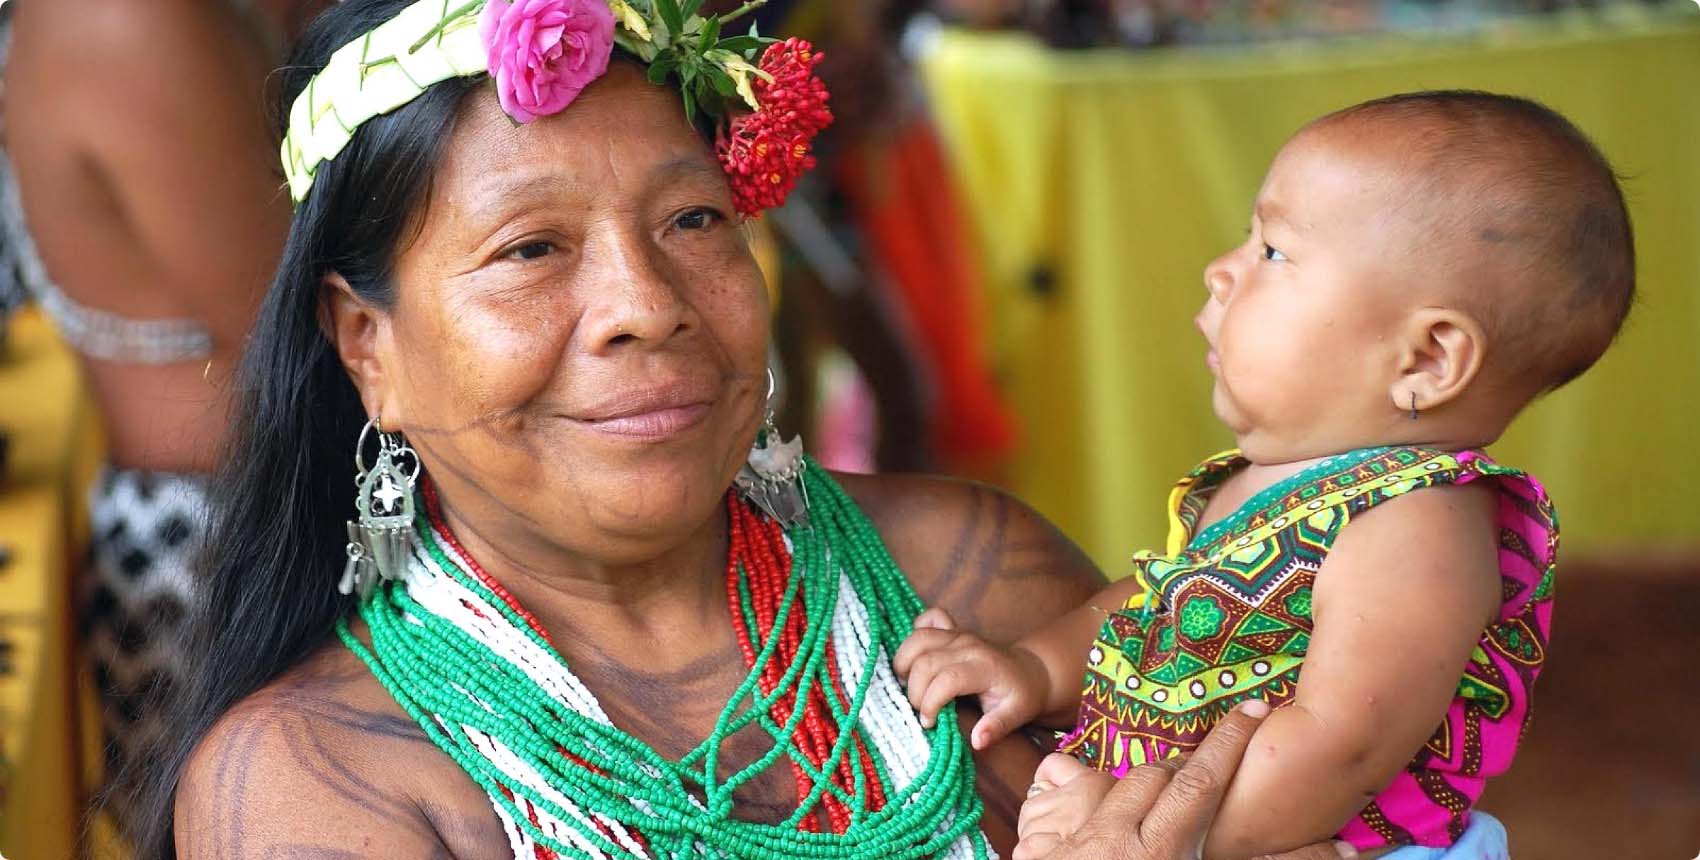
pixel 1219 279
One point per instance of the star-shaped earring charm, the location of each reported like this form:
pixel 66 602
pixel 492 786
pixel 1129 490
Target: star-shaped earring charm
pixel 388 494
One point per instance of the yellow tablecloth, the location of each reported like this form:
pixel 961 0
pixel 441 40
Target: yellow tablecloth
pixel 45 411
pixel 1102 182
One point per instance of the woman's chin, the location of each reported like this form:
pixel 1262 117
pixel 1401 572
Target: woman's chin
pixel 651 486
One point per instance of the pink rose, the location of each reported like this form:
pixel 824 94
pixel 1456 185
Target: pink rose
pixel 543 53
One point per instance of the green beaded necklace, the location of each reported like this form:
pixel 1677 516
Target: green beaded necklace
pixel 818 609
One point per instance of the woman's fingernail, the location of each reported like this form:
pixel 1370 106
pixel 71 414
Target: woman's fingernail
pixel 1257 709
pixel 1346 851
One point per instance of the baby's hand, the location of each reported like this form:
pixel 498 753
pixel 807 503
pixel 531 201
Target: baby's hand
pixel 1064 794
pixel 939 663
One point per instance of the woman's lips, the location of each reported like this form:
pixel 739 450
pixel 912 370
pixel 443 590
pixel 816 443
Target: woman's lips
pixel 654 424
pixel 650 414
pixel 1212 361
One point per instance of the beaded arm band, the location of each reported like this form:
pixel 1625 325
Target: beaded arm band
pixel 542 53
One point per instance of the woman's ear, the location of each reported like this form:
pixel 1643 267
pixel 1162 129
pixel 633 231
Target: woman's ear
pixel 360 331
pixel 1440 354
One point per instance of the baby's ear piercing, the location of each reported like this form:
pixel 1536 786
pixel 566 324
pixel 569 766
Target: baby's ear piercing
pixel 1413 406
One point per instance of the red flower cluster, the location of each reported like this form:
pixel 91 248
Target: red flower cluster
pixel 765 152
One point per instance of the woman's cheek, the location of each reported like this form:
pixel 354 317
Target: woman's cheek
pixel 734 303
pixel 503 357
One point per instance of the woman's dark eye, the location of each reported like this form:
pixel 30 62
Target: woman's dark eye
pixel 530 250
pixel 696 219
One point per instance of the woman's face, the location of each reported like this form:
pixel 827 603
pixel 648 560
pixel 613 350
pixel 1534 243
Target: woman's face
pixel 578 343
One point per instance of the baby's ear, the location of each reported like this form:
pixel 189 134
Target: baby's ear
pixel 1440 353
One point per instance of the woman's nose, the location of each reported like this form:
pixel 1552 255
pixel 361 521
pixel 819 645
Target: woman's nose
pixel 637 300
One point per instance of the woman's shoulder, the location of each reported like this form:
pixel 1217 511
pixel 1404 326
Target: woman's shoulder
pixel 986 557
pixel 323 760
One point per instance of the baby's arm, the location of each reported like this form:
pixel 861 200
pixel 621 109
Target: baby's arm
pixel 1399 605
pixel 1036 680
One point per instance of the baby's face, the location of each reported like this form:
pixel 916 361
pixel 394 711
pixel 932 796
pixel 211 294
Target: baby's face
pixel 1300 316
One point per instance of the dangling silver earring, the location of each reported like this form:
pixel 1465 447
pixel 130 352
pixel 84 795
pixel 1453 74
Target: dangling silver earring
pixel 381 539
pixel 772 478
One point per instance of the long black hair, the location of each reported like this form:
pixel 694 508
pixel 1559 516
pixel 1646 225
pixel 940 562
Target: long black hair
pixel 266 596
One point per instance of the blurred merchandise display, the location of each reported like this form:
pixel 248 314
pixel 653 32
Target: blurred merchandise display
pixel 1143 23
pixel 1099 184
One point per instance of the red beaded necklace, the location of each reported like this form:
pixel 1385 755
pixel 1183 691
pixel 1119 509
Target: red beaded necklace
pixel 756 548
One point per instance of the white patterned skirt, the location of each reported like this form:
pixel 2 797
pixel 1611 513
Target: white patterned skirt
pixel 146 529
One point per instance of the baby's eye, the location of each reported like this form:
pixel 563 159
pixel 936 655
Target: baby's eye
pixel 1272 255
pixel 529 251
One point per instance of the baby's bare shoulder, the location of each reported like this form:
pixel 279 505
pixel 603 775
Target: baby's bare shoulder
pixel 1441 541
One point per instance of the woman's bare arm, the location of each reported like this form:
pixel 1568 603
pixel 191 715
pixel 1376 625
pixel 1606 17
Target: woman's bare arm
pixel 999 568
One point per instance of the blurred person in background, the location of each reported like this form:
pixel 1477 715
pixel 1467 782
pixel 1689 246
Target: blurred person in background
pixel 880 265
pixel 142 162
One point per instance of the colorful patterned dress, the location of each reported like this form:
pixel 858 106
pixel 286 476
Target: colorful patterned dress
pixel 1225 616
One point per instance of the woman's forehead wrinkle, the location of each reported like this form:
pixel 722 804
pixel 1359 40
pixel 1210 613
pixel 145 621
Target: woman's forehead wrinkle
pixel 685 166
pixel 528 185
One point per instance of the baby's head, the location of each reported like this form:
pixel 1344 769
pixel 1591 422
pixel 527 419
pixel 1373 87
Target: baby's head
pixel 1443 255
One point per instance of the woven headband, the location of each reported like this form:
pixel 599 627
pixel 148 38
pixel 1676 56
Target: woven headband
pixel 542 53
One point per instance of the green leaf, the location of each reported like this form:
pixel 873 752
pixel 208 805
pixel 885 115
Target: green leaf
pixel 706 97
pixel 744 44
pixel 723 83
pixel 672 16
pixel 691 7
pixel 710 36
pixel 690 105
pixel 662 67
pixel 644 51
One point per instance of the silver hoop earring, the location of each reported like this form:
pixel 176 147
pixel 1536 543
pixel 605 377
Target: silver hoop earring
pixel 381 539
pixel 772 477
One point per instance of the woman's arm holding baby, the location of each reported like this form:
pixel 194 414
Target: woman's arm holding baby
pixel 1399 605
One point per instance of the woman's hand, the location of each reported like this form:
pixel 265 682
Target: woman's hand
pixel 1162 811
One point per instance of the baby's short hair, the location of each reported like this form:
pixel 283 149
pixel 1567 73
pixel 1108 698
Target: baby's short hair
pixel 1533 190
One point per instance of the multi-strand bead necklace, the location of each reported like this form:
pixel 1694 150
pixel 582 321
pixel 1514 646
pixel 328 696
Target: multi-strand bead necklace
pixel 818 610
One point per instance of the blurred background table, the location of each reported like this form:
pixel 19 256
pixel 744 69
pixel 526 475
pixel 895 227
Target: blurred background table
pixel 1102 181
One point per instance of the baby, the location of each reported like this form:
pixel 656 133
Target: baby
pixel 1418 269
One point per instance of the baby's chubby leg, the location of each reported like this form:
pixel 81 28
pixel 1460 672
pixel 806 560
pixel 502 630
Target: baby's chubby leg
pixel 1064 794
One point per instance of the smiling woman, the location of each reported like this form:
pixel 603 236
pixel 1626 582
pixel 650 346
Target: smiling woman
pixel 595 320
pixel 586 643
